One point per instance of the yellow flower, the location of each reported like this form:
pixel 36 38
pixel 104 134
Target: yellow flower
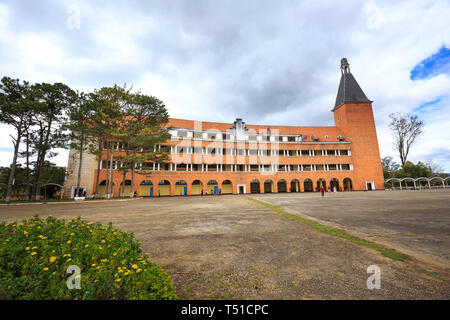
pixel 27 248
pixel 25 232
pixel 103 241
pixel 69 260
pixel 134 266
pixel 52 259
pixel 93 265
pixel 104 260
pixel 33 253
pixel 69 241
pixel 118 279
pixel 138 270
pixel 45 269
pixel 115 254
pixel 34 248
pixel 86 246
pixel 72 234
pixel 126 273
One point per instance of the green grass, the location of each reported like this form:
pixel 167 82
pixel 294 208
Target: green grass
pixel 388 252
pixel 433 274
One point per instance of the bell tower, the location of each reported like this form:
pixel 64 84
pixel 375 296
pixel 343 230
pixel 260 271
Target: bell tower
pixel 354 116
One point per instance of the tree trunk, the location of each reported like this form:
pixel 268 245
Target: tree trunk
pixel 33 187
pixel 80 165
pixel 108 165
pixel 122 187
pixel 13 170
pixel 28 169
pixel 110 175
pixel 37 180
pixel 97 178
pixel 40 163
pixel 132 180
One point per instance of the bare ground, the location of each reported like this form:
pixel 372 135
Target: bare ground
pixel 229 247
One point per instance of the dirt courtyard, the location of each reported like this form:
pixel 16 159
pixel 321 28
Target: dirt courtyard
pixel 230 247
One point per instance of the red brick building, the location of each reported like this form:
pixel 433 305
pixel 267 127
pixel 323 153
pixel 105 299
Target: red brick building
pixel 211 157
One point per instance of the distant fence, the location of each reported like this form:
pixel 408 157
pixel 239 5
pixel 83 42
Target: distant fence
pixel 417 183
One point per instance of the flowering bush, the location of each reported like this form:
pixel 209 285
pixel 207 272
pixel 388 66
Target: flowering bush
pixel 35 255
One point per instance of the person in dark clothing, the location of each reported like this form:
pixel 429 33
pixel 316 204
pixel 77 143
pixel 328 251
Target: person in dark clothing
pixel 322 190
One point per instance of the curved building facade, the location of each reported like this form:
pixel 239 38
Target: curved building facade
pixel 236 158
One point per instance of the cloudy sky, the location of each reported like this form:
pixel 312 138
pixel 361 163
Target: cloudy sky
pixel 268 62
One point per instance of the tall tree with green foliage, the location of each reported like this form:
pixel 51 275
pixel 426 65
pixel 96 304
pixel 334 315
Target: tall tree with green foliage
pixel 145 126
pixel 110 103
pixel 389 167
pixel 52 104
pixel 82 139
pixel 15 110
pixel 27 154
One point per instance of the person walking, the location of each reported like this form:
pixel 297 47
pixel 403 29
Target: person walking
pixel 322 191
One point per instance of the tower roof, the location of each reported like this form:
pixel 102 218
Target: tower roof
pixel 349 90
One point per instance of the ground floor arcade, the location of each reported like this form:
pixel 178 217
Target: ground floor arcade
pixel 156 184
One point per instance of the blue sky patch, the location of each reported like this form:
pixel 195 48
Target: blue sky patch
pixel 427 106
pixel 434 65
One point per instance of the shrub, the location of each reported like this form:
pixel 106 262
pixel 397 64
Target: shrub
pixel 35 255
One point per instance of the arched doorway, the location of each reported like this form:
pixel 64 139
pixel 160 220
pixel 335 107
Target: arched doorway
pixel 268 186
pixel 321 183
pixel 180 188
pixel 212 187
pixel 295 185
pixel 348 184
pixel 282 186
pixel 254 186
pixel 53 191
pixel 164 188
pixel 102 188
pixel 124 191
pixel 334 183
pixel 146 188
pixel 196 187
pixel 227 187
pixel 308 185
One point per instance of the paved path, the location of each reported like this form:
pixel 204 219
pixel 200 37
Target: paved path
pixel 414 221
